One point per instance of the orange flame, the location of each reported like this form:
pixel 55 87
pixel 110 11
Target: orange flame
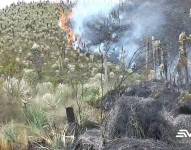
pixel 65 22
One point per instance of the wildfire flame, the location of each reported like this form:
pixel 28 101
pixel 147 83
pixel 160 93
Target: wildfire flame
pixel 65 24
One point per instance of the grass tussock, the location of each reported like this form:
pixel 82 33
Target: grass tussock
pixel 36 117
pixel 13 136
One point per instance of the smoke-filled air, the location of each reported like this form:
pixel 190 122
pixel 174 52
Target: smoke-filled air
pixel 95 74
pixel 120 24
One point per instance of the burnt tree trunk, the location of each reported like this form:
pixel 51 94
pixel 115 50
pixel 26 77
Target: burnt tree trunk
pixel 70 115
pixel 73 125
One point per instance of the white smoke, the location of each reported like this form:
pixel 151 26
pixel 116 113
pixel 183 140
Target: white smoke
pixel 145 18
pixel 84 9
pixel 141 18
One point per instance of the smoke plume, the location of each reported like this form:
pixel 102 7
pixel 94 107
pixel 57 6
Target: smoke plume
pixel 119 24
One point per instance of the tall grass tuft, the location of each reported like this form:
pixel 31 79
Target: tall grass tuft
pixel 36 117
pixel 43 88
pixel 13 136
pixel 10 133
pixel 63 93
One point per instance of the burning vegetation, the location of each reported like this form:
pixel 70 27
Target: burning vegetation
pixel 108 76
pixel 65 23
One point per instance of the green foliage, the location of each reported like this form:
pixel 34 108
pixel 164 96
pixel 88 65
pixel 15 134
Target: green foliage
pixel 36 117
pixel 10 132
pixel 91 95
pixel 57 143
pixel 22 26
pixel 30 76
pixel 31 39
pixel 9 69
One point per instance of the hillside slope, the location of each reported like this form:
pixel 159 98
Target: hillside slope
pixel 31 38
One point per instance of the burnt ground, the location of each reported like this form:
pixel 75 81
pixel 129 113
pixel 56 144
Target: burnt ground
pixel 142 117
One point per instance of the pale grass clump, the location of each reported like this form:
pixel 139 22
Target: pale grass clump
pixel 50 100
pixel 55 66
pixel 94 71
pixel 66 60
pixel 130 71
pixel 45 101
pixel 18 60
pixel 71 67
pixel 10 86
pixel 135 79
pixel 1 85
pixel 43 88
pixel 13 135
pixel 117 68
pixel 90 113
pixel 112 75
pixel 35 46
pixel 94 82
pixel 30 76
pixel 16 88
pixel 47 97
pixel 63 92
pixel 97 77
pixel 92 89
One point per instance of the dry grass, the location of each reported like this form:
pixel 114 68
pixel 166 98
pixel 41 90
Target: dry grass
pixel 13 136
pixel 186 97
pixel 10 110
pixel 17 136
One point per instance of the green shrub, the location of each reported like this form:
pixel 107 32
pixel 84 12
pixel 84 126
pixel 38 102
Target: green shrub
pixel 91 96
